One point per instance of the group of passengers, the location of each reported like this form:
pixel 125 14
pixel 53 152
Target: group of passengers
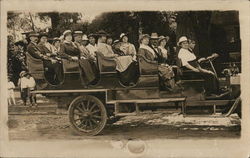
pixel 75 46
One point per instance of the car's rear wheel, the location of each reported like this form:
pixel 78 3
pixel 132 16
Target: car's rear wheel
pixel 87 115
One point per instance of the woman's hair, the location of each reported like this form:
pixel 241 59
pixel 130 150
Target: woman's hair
pixel 161 41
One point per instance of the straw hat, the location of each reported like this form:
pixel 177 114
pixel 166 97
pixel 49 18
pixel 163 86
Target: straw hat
pixel 75 33
pixel 154 35
pixel 182 39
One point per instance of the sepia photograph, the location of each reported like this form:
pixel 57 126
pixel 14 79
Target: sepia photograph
pixel 123 77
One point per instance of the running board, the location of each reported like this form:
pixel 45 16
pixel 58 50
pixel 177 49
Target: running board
pixel 137 103
pixel 140 101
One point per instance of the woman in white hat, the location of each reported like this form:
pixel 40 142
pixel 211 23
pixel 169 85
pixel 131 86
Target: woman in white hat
pixel 68 49
pixel 189 61
pixel 126 47
pixel 162 48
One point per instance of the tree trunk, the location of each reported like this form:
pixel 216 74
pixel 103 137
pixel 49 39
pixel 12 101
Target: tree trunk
pixel 195 25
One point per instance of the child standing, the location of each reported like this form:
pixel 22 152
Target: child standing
pixel 22 83
pixel 11 96
pixel 31 84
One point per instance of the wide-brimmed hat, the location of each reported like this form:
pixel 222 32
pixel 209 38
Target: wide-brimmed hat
pixel 22 73
pixel 85 38
pixel 66 32
pixel 33 34
pixel 154 35
pixel 143 36
pixel 182 39
pixel 163 38
pixel 101 33
pixel 123 34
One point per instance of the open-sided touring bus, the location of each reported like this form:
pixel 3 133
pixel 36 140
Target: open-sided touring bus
pixel 89 108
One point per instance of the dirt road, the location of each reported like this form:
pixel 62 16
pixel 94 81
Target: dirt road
pixel 145 126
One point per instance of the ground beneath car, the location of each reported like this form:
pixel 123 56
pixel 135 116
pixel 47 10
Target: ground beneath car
pixel 146 126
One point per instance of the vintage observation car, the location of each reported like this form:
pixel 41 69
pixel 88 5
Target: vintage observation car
pixel 91 107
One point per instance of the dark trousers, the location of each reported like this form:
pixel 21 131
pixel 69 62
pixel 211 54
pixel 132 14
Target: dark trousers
pixel 55 72
pixel 32 96
pixel 24 95
pixel 211 83
pixel 130 75
pixel 88 74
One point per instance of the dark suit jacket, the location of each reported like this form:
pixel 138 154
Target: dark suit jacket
pixel 43 49
pixel 67 50
pixel 34 51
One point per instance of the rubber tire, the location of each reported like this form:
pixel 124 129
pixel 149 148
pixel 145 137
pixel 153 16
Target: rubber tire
pixel 101 107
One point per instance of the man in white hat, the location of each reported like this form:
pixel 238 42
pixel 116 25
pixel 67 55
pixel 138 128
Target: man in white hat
pixel 189 61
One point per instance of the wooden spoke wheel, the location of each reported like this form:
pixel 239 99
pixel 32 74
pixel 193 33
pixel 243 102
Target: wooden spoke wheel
pixel 87 115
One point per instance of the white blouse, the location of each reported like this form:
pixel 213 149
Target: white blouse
pixel 92 49
pixel 185 56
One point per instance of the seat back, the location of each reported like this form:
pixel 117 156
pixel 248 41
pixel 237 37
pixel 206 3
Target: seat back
pixel 146 67
pixel 105 64
pixel 34 65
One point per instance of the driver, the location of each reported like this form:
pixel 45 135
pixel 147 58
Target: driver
pixel 190 62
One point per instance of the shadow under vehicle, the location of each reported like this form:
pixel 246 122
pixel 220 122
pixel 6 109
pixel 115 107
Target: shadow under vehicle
pixel 91 107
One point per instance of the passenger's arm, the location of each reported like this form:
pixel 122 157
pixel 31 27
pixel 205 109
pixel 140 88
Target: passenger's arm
pixel 141 54
pixel 205 71
pixel 190 67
